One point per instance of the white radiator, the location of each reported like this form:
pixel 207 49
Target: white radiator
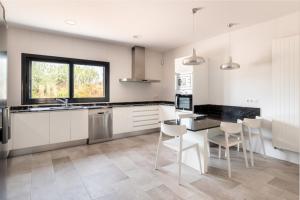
pixel 286 93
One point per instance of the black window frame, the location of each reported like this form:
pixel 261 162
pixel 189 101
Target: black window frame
pixel 26 77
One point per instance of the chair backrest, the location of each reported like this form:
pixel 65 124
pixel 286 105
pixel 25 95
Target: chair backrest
pixel 231 128
pixel 253 123
pixel 173 130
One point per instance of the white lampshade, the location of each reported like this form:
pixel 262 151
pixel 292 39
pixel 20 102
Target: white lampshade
pixel 229 65
pixel 193 60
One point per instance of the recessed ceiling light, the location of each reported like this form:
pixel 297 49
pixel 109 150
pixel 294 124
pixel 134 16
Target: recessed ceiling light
pixel 70 22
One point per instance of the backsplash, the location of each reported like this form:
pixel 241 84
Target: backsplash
pixel 227 113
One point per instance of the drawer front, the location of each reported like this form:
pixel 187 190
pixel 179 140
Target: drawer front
pixel 144 113
pixel 145 108
pixel 145 127
pixel 145 117
pixel 145 123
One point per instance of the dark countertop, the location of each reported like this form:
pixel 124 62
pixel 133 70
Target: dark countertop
pixel 226 113
pixel 197 124
pixel 57 107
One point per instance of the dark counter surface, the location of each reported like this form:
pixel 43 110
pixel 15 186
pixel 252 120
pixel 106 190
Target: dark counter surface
pixel 227 113
pixel 197 124
pixel 56 107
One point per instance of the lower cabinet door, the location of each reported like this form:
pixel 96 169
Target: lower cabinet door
pixel 29 129
pixel 79 124
pixel 59 126
pixel 122 120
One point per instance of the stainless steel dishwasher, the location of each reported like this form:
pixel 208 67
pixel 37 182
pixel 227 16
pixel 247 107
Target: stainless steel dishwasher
pixel 100 125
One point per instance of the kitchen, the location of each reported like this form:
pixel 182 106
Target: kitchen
pixel 104 146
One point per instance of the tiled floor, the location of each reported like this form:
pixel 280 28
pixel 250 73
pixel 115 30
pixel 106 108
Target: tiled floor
pixel 123 170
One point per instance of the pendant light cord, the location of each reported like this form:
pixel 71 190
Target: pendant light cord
pixel 194 11
pixel 193 25
pixel 229 39
pixel 230 25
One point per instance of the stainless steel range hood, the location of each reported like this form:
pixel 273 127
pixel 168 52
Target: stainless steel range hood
pixel 138 67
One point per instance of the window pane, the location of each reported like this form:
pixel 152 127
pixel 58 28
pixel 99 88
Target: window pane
pixel 49 80
pixel 88 81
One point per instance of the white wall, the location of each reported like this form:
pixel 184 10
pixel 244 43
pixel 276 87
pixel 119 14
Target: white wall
pixel 28 41
pixel 251 48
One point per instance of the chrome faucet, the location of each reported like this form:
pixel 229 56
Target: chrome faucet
pixel 64 101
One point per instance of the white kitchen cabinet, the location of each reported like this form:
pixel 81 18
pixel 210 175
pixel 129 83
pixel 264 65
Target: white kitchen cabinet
pixel 135 118
pixel 122 119
pixel 29 129
pixel 167 112
pixel 145 117
pixel 42 128
pixel 79 124
pixel 59 126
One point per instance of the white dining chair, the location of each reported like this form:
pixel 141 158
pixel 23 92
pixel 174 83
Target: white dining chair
pixel 178 144
pixel 193 116
pixel 229 139
pixel 251 134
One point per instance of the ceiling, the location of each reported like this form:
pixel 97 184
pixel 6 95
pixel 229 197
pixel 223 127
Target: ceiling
pixel 159 24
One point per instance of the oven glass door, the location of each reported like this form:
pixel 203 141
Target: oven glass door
pixel 184 102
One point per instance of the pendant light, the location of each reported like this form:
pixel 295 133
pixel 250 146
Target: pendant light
pixel 3 14
pixel 194 59
pixel 229 65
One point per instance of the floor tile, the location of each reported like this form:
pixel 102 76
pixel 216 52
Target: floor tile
pixel 162 192
pixel 124 169
pixel 292 187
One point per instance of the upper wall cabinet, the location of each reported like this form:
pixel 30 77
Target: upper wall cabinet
pixel 286 93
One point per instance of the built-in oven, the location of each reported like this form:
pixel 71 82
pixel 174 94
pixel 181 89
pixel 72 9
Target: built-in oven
pixel 184 102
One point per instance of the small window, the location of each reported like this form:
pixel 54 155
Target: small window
pixel 49 80
pixel 89 81
pixel 46 78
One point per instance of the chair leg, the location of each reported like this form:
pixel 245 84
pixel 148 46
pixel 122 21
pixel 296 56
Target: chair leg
pixel 219 151
pixel 245 152
pixel 199 158
pixel 262 142
pixel 251 147
pixel 238 147
pixel 251 153
pixel 228 161
pixel 158 151
pixel 208 149
pixel 180 161
pixel 179 168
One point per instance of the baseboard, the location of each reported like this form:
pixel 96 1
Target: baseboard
pixel 48 147
pixel 135 133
